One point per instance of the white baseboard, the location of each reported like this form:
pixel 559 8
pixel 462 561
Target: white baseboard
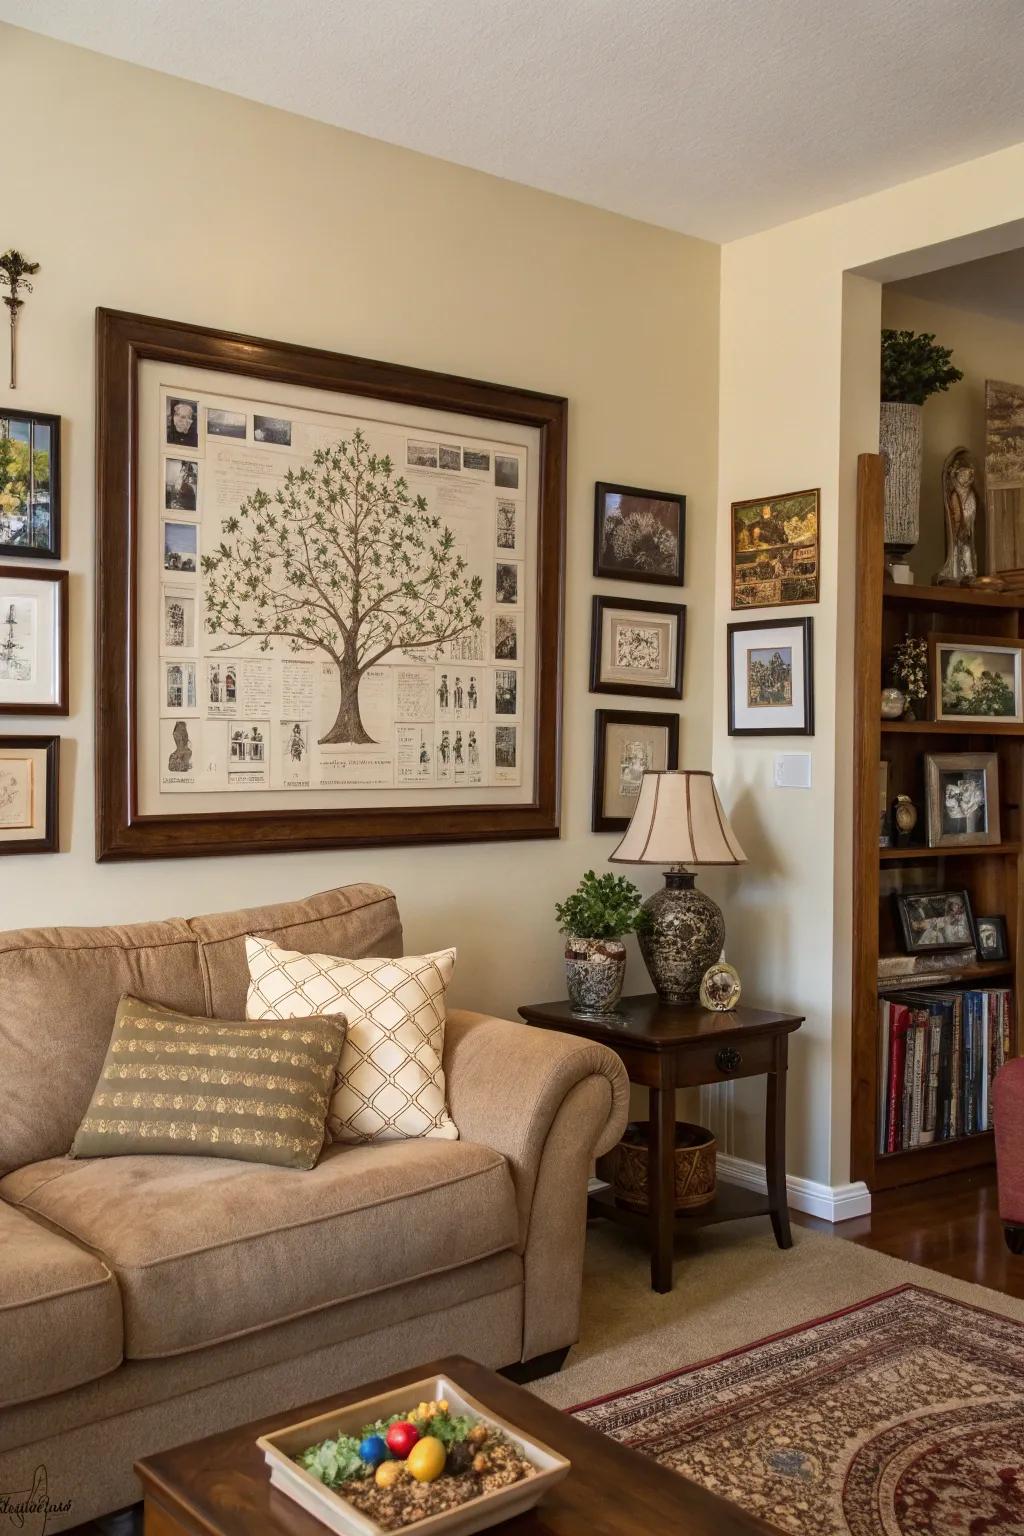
pixel 832 1202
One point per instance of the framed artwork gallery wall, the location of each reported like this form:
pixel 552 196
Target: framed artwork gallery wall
pixel 329 599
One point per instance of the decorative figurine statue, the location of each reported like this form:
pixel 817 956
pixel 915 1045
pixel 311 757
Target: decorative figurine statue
pixel 961 503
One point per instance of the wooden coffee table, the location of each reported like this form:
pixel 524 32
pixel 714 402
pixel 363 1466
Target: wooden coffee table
pixel 221 1486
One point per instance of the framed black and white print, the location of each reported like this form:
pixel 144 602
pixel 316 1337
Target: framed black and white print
pixel 934 920
pixel 993 939
pixel 771 678
pixel 33 641
pixel 639 535
pixel 29 797
pixel 29 485
pixel 627 744
pixel 637 647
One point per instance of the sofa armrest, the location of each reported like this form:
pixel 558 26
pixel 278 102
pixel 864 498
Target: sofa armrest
pixel 1008 1117
pixel 550 1103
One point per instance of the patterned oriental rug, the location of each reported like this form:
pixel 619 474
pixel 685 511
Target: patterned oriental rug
pixel 901 1416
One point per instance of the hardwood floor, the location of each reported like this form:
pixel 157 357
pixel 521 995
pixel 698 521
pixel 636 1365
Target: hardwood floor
pixel 950 1224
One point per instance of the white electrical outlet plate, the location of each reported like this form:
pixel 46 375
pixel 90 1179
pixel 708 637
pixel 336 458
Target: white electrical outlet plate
pixel 793 770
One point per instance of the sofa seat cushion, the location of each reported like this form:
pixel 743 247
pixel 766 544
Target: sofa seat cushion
pixel 60 1312
pixel 206 1249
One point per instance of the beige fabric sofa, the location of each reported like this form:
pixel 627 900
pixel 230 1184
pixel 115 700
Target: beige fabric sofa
pixel 145 1301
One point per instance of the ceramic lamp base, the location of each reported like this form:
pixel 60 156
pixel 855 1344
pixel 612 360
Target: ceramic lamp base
pixel 682 936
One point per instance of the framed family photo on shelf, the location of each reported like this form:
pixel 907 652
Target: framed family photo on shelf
pixel 962 799
pixel 935 920
pixel 636 647
pixel 770 677
pixel 976 679
pixel 627 744
pixel 325 586
pixel 639 535
pixel 29 794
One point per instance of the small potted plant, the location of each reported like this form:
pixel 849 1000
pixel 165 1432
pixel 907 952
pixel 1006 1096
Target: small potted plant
pixel 914 367
pixel 594 919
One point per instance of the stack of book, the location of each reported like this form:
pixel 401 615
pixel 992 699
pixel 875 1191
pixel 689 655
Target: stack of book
pixel 939 1054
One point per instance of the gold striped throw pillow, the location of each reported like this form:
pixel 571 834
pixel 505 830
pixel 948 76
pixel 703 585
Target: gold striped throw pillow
pixel 212 1088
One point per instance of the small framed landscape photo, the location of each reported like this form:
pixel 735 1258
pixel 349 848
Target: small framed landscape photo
pixel 962 799
pixel 637 647
pixel 976 679
pixel 628 744
pixel 29 485
pixel 771 678
pixel 993 941
pixel 29 768
pixel 639 535
pixel 935 920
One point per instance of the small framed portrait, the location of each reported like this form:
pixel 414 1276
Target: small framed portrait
pixel 771 678
pixel 637 647
pixel 33 641
pixel 29 794
pixel 29 485
pixel 181 547
pixel 962 799
pixel 935 920
pixel 627 744
pixel 181 485
pixel 976 680
pixel 182 419
pixel 639 535
pixel 775 557
pixel 993 940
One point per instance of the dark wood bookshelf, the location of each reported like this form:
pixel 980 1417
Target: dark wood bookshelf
pixel 991 874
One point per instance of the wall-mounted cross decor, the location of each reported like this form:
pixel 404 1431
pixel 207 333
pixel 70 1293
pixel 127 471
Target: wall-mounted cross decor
pixel 15 272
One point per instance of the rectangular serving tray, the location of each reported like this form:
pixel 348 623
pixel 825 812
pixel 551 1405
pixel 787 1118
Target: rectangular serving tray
pixel 280 1448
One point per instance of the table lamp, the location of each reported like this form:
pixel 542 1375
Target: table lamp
pixel 679 820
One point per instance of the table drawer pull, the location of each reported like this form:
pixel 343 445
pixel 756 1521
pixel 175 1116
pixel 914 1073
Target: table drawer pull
pixel 728 1059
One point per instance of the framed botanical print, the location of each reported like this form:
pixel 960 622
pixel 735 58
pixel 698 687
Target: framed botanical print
pixel 29 485
pixel 33 641
pixel 639 535
pixel 325 589
pixel 637 647
pixel 771 677
pixel 29 794
pixel 976 679
pixel 962 799
pixel 627 744
pixel 775 550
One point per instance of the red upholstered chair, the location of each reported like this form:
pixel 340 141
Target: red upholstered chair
pixel 1008 1108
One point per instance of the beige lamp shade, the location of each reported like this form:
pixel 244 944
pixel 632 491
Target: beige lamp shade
pixel 679 820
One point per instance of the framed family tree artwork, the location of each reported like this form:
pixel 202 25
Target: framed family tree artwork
pixel 29 485
pixel 628 744
pixel 775 550
pixel 29 796
pixel 771 678
pixel 33 641
pixel 639 535
pixel 329 598
pixel 637 647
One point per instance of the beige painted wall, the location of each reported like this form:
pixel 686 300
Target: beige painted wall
pixel 145 193
pixel 799 392
pixel 985 348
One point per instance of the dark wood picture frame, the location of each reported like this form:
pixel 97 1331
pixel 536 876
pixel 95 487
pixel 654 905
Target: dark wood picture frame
pixel 1002 950
pixel 676 611
pixel 900 899
pixel 675 578
pixel 58 579
pixel 603 718
pixel 123 342
pixel 50 840
pixel 806 626
pixel 51 550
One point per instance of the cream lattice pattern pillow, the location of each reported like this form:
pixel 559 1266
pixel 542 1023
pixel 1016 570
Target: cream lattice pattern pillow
pixel 390 1079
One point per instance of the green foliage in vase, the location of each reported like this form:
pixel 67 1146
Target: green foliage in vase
pixel 600 908
pixel 915 367
pixel 341 559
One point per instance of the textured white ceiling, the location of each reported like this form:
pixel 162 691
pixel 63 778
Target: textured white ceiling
pixel 991 286
pixel 716 117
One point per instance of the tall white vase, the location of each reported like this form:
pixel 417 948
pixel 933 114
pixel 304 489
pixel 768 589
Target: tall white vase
pixel 899 442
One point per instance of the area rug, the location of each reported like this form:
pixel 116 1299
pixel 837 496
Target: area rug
pixel 902 1415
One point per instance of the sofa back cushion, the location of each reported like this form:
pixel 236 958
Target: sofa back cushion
pixel 60 987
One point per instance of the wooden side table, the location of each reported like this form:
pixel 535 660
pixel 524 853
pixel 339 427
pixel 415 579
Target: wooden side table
pixel 664 1048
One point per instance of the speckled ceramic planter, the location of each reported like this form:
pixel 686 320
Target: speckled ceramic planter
pixel 594 972
pixel 683 934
